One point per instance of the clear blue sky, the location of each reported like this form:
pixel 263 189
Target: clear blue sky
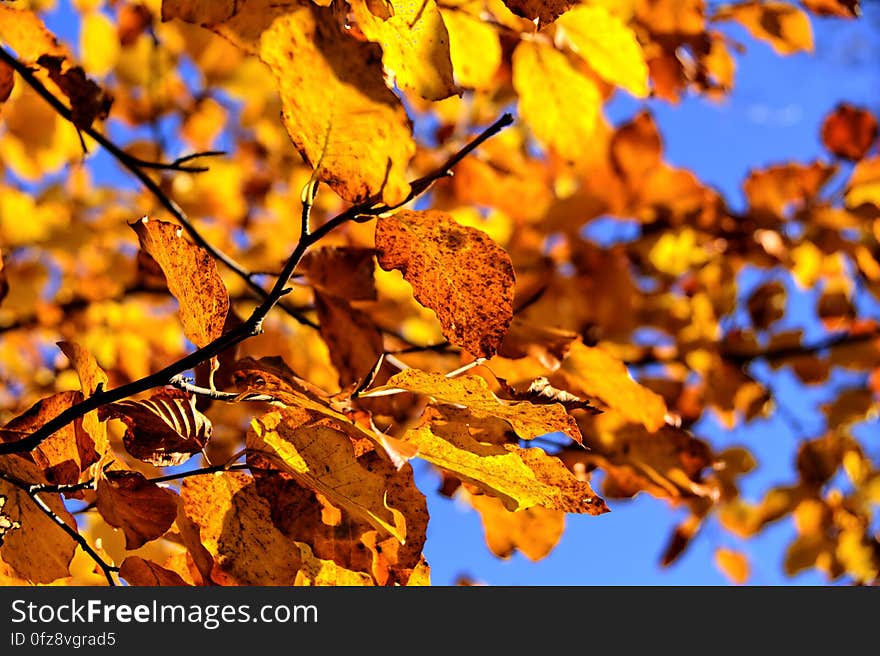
pixel 773 115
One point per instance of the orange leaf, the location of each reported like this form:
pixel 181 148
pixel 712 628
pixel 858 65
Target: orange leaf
pixel 139 571
pixel 91 377
pixel 593 372
pixel 533 531
pixel 786 28
pixel 352 338
pixel 456 271
pixel 733 564
pixel 192 278
pixel 849 131
pixel 543 12
pixel 164 430
pixel 841 8
pixel 143 510
pixel 343 271
pixel 24 32
pixel 7 81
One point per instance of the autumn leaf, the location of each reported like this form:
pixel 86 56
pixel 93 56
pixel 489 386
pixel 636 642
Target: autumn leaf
pixel 592 372
pixel 454 270
pixel 841 8
pixel 533 531
pixel 143 510
pixel 26 34
pixel 235 527
pixel 67 452
pixel 415 45
pixel 849 131
pixel 864 184
pixel 783 26
pixel 88 101
pixel 342 271
pixel 354 341
pixel 636 148
pixel 37 550
pixel 733 564
pixel 92 378
pixel 142 572
pixel 163 430
pixel 607 45
pixel 192 278
pixel 317 571
pixel 559 103
pixel 318 452
pixel 474 48
pixel 7 81
pixel 543 12
pixel 7 524
pixel 472 392
pixel 520 478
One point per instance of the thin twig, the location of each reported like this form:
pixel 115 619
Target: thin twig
pixel 182 383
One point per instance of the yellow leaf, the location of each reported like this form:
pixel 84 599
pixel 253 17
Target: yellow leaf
pixel 235 527
pixel 528 420
pixel 317 451
pixel 458 272
pixel 534 531
pixel 607 45
pixel 99 44
pixel 317 571
pixel 560 104
pixel 91 376
pixel 733 564
pixel 415 44
pixel 520 478
pixel 674 17
pixel 786 28
pixel 24 32
pixel 676 253
pixel 591 371
pixel 192 277
pixel 474 47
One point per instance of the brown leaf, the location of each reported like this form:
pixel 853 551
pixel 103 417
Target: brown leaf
pixel 849 131
pixel 164 430
pixel 540 391
pixel 88 101
pixel 67 452
pixel 38 550
pixel 680 539
pixel 139 571
pixel 317 571
pixel 352 338
pixel 192 277
pixel 778 188
pixel 456 271
pixel 343 271
pixel 636 148
pixel 143 510
pixel 524 338
pixel 7 81
pixel 544 12
pixel 236 528
pixel 840 8
pixel 132 20
pixel 766 304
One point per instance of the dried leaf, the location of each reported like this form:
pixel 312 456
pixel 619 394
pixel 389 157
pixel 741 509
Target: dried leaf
pixel 91 378
pixel 164 430
pixel 7 524
pixel 783 26
pixel 88 101
pixel 318 452
pixel 472 392
pixel 456 271
pixel 607 45
pixel 7 81
pixel 559 103
pixel 317 571
pixel 24 32
pixel 415 45
pixel 142 572
pixel 192 277
pixel 591 371
pixel 849 131
pixel 38 550
pixel 143 510
pixel 864 184
pixel 840 8
pixel 636 148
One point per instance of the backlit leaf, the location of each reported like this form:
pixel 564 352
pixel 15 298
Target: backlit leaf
pixel 533 531
pixel 354 341
pixel 142 572
pixel 783 26
pixel 143 510
pixel 559 103
pixel 415 45
pixel 607 45
pixel 192 278
pixel 24 32
pixel 544 12
pixel 849 131
pixel 456 271
pixel 317 571
pixel 474 48
pixel 733 564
